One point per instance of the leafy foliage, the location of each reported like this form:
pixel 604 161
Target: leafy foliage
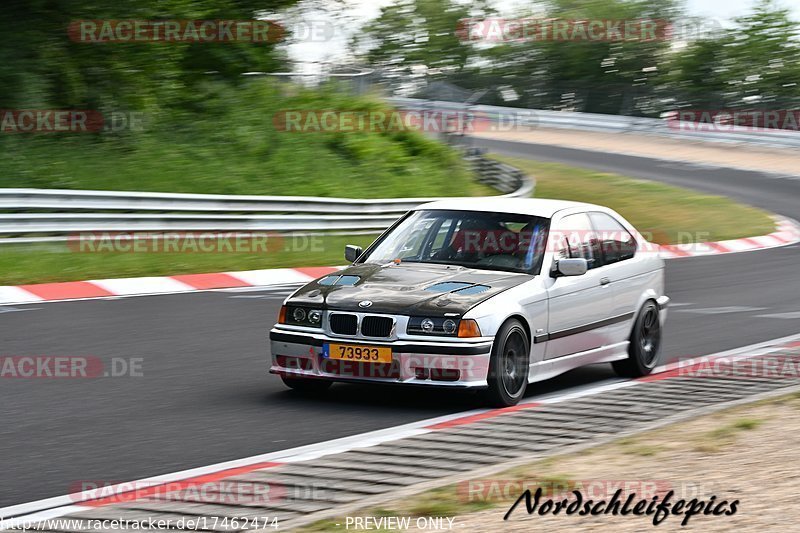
pixel 40 67
pixel 756 60
pixel 228 144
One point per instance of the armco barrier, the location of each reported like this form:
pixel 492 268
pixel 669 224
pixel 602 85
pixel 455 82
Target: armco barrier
pixel 604 123
pixel 147 211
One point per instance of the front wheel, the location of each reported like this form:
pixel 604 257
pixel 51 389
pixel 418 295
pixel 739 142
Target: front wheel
pixel 306 385
pixel 509 365
pixel 644 344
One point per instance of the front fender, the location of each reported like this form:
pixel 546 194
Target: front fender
pixel 527 302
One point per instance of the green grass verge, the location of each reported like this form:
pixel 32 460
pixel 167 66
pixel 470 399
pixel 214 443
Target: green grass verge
pixel 229 144
pixel 43 263
pixel 663 213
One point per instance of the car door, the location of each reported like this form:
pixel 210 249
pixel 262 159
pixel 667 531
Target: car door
pixel 621 267
pixel 580 305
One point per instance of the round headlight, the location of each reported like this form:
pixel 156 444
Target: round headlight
pixel 449 326
pixel 427 325
pixel 315 316
pixel 299 314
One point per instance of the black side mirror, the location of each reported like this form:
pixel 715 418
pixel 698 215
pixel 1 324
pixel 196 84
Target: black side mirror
pixel 352 252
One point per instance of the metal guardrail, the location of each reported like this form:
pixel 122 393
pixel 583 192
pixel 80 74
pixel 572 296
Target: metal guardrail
pixel 77 222
pixel 163 212
pixel 63 199
pixel 606 123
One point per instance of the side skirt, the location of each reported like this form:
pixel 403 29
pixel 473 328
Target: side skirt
pixel 553 367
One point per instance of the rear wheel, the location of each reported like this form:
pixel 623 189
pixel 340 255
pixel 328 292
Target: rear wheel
pixel 509 365
pixel 306 385
pixel 644 344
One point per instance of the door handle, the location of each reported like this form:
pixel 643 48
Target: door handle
pixel 604 281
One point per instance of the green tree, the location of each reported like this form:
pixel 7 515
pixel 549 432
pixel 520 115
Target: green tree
pixel 755 63
pixel 41 67
pixel 764 56
pixel 607 76
pixel 414 35
pixel 601 76
pixel 699 75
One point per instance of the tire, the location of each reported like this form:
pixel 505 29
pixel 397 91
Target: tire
pixel 508 366
pixel 307 385
pixel 645 341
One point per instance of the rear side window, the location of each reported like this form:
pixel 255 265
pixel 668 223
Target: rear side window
pixel 615 242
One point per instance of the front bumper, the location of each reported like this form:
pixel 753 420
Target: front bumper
pixel 437 364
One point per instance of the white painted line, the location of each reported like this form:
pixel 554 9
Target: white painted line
pixel 784 316
pixel 62 505
pixel 722 310
pixel 588 391
pixel 32 522
pixel 753 350
pixel 9 309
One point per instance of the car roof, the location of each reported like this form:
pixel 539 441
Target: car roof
pixel 539 207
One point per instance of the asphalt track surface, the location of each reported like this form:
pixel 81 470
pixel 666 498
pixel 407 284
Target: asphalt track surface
pixel 205 395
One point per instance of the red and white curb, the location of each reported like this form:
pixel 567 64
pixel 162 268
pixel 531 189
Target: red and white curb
pixel 787 232
pixel 33 512
pixel 123 287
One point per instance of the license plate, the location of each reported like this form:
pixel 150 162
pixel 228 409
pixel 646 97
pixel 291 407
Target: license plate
pixel 360 353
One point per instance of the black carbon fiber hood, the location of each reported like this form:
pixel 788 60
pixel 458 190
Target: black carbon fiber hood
pixel 407 288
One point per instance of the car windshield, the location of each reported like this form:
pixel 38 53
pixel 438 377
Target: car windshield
pixel 489 241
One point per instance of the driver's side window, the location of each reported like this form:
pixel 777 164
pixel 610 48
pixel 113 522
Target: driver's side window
pixel 576 239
